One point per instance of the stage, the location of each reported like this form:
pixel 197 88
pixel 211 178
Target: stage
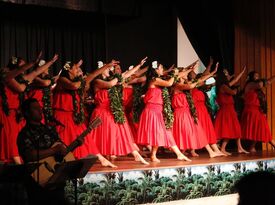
pixel 169 180
pixel 169 160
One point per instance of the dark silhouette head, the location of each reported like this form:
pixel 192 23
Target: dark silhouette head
pixel 256 188
pixel 31 110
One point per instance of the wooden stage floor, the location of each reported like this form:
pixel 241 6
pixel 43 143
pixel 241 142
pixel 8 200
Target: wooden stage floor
pixel 169 161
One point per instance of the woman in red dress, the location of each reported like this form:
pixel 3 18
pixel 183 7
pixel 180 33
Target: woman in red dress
pixel 129 87
pixel 254 123
pixel 114 137
pixel 226 123
pixel 13 84
pixel 203 109
pixel 41 89
pixel 152 129
pixel 187 129
pixel 68 108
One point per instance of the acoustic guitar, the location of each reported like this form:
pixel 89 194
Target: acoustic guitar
pixel 48 165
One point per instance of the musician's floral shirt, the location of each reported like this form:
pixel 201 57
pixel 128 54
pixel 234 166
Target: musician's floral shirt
pixel 34 137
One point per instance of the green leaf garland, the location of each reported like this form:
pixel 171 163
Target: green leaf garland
pixel 192 107
pixel 78 112
pixel 167 108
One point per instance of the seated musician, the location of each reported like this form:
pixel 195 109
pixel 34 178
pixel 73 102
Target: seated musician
pixel 35 141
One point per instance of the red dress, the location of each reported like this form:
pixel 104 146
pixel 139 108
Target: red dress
pixel 203 115
pixel 9 127
pixel 63 112
pixel 38 95
pixel 128 108
pixel 187 134
pixel 152 130
pixel 226 123
pixel 254 123
pixel 111 138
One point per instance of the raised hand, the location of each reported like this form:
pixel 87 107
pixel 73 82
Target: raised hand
pixel 143 61
pixel 54 58
pixel 38 57
pixel 79 62
pixel 216 67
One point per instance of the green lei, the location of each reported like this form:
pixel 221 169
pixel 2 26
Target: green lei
pixel 5 105
pixel 116 99
pixel 116 103
pixel 167 108
pixel 192 107
pixel 78 114
pixel 47 104
pixel 138 103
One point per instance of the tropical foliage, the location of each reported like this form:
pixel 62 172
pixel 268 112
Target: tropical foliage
pixel 154 188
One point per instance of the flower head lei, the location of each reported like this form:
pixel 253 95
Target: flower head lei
pixel 155 64
pixel 67 65
pixel 41 63
pixel 99 64
pixel 14 60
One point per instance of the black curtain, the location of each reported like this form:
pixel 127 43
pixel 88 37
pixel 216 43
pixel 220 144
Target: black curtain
pixel 25 30
pixel 209 26
pixel 122 29
pixel 152 33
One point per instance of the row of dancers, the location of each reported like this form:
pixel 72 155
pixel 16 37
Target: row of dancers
pixel 145 106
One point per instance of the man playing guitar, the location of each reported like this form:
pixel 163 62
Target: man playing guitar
pixel 35 142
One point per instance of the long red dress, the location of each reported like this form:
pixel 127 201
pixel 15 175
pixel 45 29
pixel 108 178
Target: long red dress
pixel 9 127
pixel 203 115
pixel 187 134
pixel 63 112
pixel 226 123
pixel 254 123
pixel 111 138
pixel 128 108
pixel 152 130
pixel 38 94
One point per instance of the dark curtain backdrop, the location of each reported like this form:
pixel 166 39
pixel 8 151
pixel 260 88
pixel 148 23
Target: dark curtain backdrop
pixel 123 29
pixel 152 33
pixel 120 30
pixel 209 26
pixel 72 35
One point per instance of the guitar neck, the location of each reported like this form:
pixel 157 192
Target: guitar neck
pixel 75 143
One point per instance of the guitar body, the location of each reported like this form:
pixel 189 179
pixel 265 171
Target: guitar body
pixel 48 167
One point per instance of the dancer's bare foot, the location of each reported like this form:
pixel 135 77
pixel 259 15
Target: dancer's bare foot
pixel 220 154
pixel 243 151
pixel 194 154
pixel 140 159
pixel 107 163
pixel 252 150
pixel 213 154
pixel 183 157
pixel 155 159
pixel 226 153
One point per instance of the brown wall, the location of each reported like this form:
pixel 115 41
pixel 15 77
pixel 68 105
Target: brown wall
pixel 255 44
